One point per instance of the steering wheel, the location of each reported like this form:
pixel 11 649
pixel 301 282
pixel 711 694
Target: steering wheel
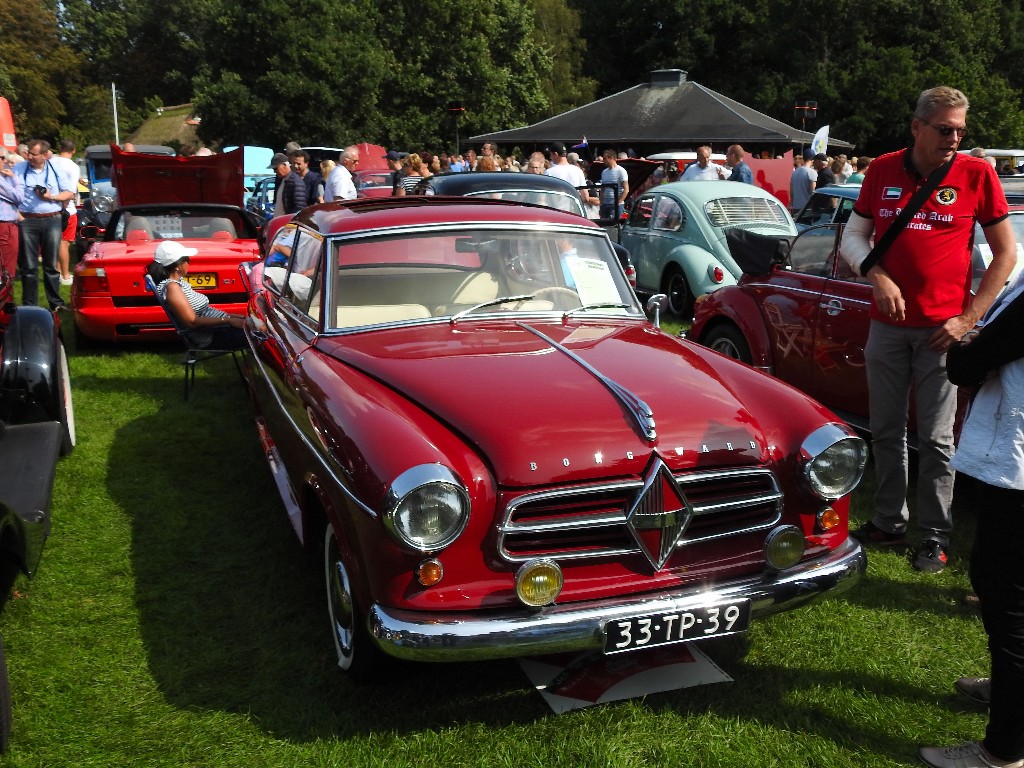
pixel 561 298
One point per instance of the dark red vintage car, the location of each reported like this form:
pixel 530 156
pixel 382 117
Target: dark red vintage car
pixel 498 454
pixel 196 201
pixel 803 317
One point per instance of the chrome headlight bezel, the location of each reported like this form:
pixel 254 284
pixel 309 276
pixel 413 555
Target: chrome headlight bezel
pixel 103 203
pixel 835 448
pixel 404 499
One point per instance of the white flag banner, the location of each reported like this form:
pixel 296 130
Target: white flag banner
pixel 820 142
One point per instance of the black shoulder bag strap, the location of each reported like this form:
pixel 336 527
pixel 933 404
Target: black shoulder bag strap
pixel 911 209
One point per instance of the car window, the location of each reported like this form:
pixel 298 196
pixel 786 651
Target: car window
pixel 729 211
pixel 292 266
pixel 981 254
pixel 181 223
pixel 405 277
pixel 556 200
pixel 811 251
pixel 640 216
pixel 668 214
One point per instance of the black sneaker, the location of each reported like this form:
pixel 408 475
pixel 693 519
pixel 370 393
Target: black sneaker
pixel 869 533
pixel 930 557
pixel 977 689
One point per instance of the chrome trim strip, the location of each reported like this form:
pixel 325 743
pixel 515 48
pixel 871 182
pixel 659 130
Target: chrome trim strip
pixel 481 634
pixel 641 411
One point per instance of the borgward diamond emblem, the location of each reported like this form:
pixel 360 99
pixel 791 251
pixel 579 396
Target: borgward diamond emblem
pixel 660 513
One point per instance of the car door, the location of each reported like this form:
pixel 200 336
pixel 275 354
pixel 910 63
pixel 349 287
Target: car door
pixel 843 321
pixel 635 238
pixel 790 299
pixel 287 320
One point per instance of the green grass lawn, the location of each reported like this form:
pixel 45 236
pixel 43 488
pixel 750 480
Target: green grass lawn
pixel 174 621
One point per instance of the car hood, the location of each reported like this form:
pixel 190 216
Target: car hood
pixel 538 415
pixel 143 179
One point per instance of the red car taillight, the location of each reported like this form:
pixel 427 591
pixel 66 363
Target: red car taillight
pixel 717 274
pixel 91 279
pixel 631 275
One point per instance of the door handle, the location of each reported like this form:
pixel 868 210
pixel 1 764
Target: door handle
pixel 832 307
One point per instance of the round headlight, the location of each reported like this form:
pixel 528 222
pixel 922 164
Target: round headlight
pixel 539 582
pixel 835 461
pixel 426 508
pixel 784 547
pixel 103 203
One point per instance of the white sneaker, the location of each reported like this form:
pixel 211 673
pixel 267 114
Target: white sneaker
pixel 969 755
pixel 977 689
pixel 67 280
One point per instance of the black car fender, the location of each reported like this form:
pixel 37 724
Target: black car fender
pixel 30 387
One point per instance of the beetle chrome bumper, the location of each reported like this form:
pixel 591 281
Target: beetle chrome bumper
pixel 463 636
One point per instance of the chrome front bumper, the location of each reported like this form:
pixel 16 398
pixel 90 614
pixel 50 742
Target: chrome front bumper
pixel 464 636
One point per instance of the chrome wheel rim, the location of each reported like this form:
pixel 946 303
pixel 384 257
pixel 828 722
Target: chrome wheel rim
pixel 339 600
pixel 725 347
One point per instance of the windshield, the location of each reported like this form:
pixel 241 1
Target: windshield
pixel 557 200
pixel 451 274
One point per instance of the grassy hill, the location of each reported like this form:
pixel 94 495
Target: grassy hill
pixel 168 127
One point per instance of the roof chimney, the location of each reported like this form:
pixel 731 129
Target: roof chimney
pixel 668 78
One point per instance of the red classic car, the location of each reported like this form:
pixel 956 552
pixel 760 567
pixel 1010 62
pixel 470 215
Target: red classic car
pixel 196 201
pixel 468 413
pixel 801 314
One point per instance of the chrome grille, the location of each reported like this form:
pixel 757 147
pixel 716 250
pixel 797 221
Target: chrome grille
pixel 590 521
pixel 729 211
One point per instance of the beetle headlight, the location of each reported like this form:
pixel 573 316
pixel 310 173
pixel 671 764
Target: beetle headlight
pixel 103 203
pixel 426 508
pixel 835 460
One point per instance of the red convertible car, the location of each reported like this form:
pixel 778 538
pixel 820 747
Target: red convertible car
pixel 468 413
pixel 196 201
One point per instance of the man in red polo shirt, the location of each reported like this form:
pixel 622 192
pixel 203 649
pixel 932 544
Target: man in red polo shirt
pixel 922 305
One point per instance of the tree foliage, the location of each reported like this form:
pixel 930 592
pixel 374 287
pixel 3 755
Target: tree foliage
pixel 333 73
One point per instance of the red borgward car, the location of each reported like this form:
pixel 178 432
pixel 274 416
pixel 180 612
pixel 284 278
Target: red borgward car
pixel 196 201
pixel 497 454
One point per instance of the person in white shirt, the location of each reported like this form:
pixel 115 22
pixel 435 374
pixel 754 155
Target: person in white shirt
pixel 341 186
pixel 703 169
pixel 562 169
pixel 69 169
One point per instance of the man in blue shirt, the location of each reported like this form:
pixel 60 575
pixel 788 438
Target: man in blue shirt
pixel 44 192
pixel 10 198
pixel 740 170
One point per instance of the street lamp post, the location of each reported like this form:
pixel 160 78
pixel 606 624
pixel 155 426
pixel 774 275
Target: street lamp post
pixel 113 97
pixel 456 108
pixel 805 110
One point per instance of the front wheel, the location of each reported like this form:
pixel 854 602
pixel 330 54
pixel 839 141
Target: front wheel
pixel 358 656
pixel 680 297
pixel 728 340
pixel 65 405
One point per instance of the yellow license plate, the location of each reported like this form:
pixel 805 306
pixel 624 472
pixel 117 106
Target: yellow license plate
pixel 202 280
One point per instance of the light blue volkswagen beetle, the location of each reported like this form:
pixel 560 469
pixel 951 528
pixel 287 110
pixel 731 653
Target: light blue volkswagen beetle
pixel 676 236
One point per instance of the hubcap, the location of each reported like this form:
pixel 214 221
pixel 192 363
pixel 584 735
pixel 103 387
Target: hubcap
pixel 339 601
pixel 677 292
pixel 726 347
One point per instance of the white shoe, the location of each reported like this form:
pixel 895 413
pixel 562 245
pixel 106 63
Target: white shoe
pixel 67 280
pixel 969 755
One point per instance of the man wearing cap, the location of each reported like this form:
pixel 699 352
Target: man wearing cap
pixel 44 192
pixel 562 169
pixel 801 183
pixel 395 164
pixel 341 185
pixel 291 192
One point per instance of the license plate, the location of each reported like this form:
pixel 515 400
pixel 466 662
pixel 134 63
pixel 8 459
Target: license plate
pixel 676 627
pixel 202 280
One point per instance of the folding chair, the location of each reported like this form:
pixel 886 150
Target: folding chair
pixel 193 354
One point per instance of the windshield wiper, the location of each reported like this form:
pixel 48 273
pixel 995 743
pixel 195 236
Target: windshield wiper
pixel 493 302
pixel 585 307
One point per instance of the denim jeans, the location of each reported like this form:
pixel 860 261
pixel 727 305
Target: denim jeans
pixel 899 359
pixel 39 236
pixel 997 575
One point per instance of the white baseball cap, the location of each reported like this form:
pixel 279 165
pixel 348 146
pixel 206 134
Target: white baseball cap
pixel 171 252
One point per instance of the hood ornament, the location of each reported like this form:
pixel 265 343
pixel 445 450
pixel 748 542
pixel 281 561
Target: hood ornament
pixel 641 411
pixel 660 514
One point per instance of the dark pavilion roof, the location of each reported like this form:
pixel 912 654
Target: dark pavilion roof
pixel 667 110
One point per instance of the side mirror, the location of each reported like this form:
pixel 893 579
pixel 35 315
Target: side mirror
pixel 657 304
